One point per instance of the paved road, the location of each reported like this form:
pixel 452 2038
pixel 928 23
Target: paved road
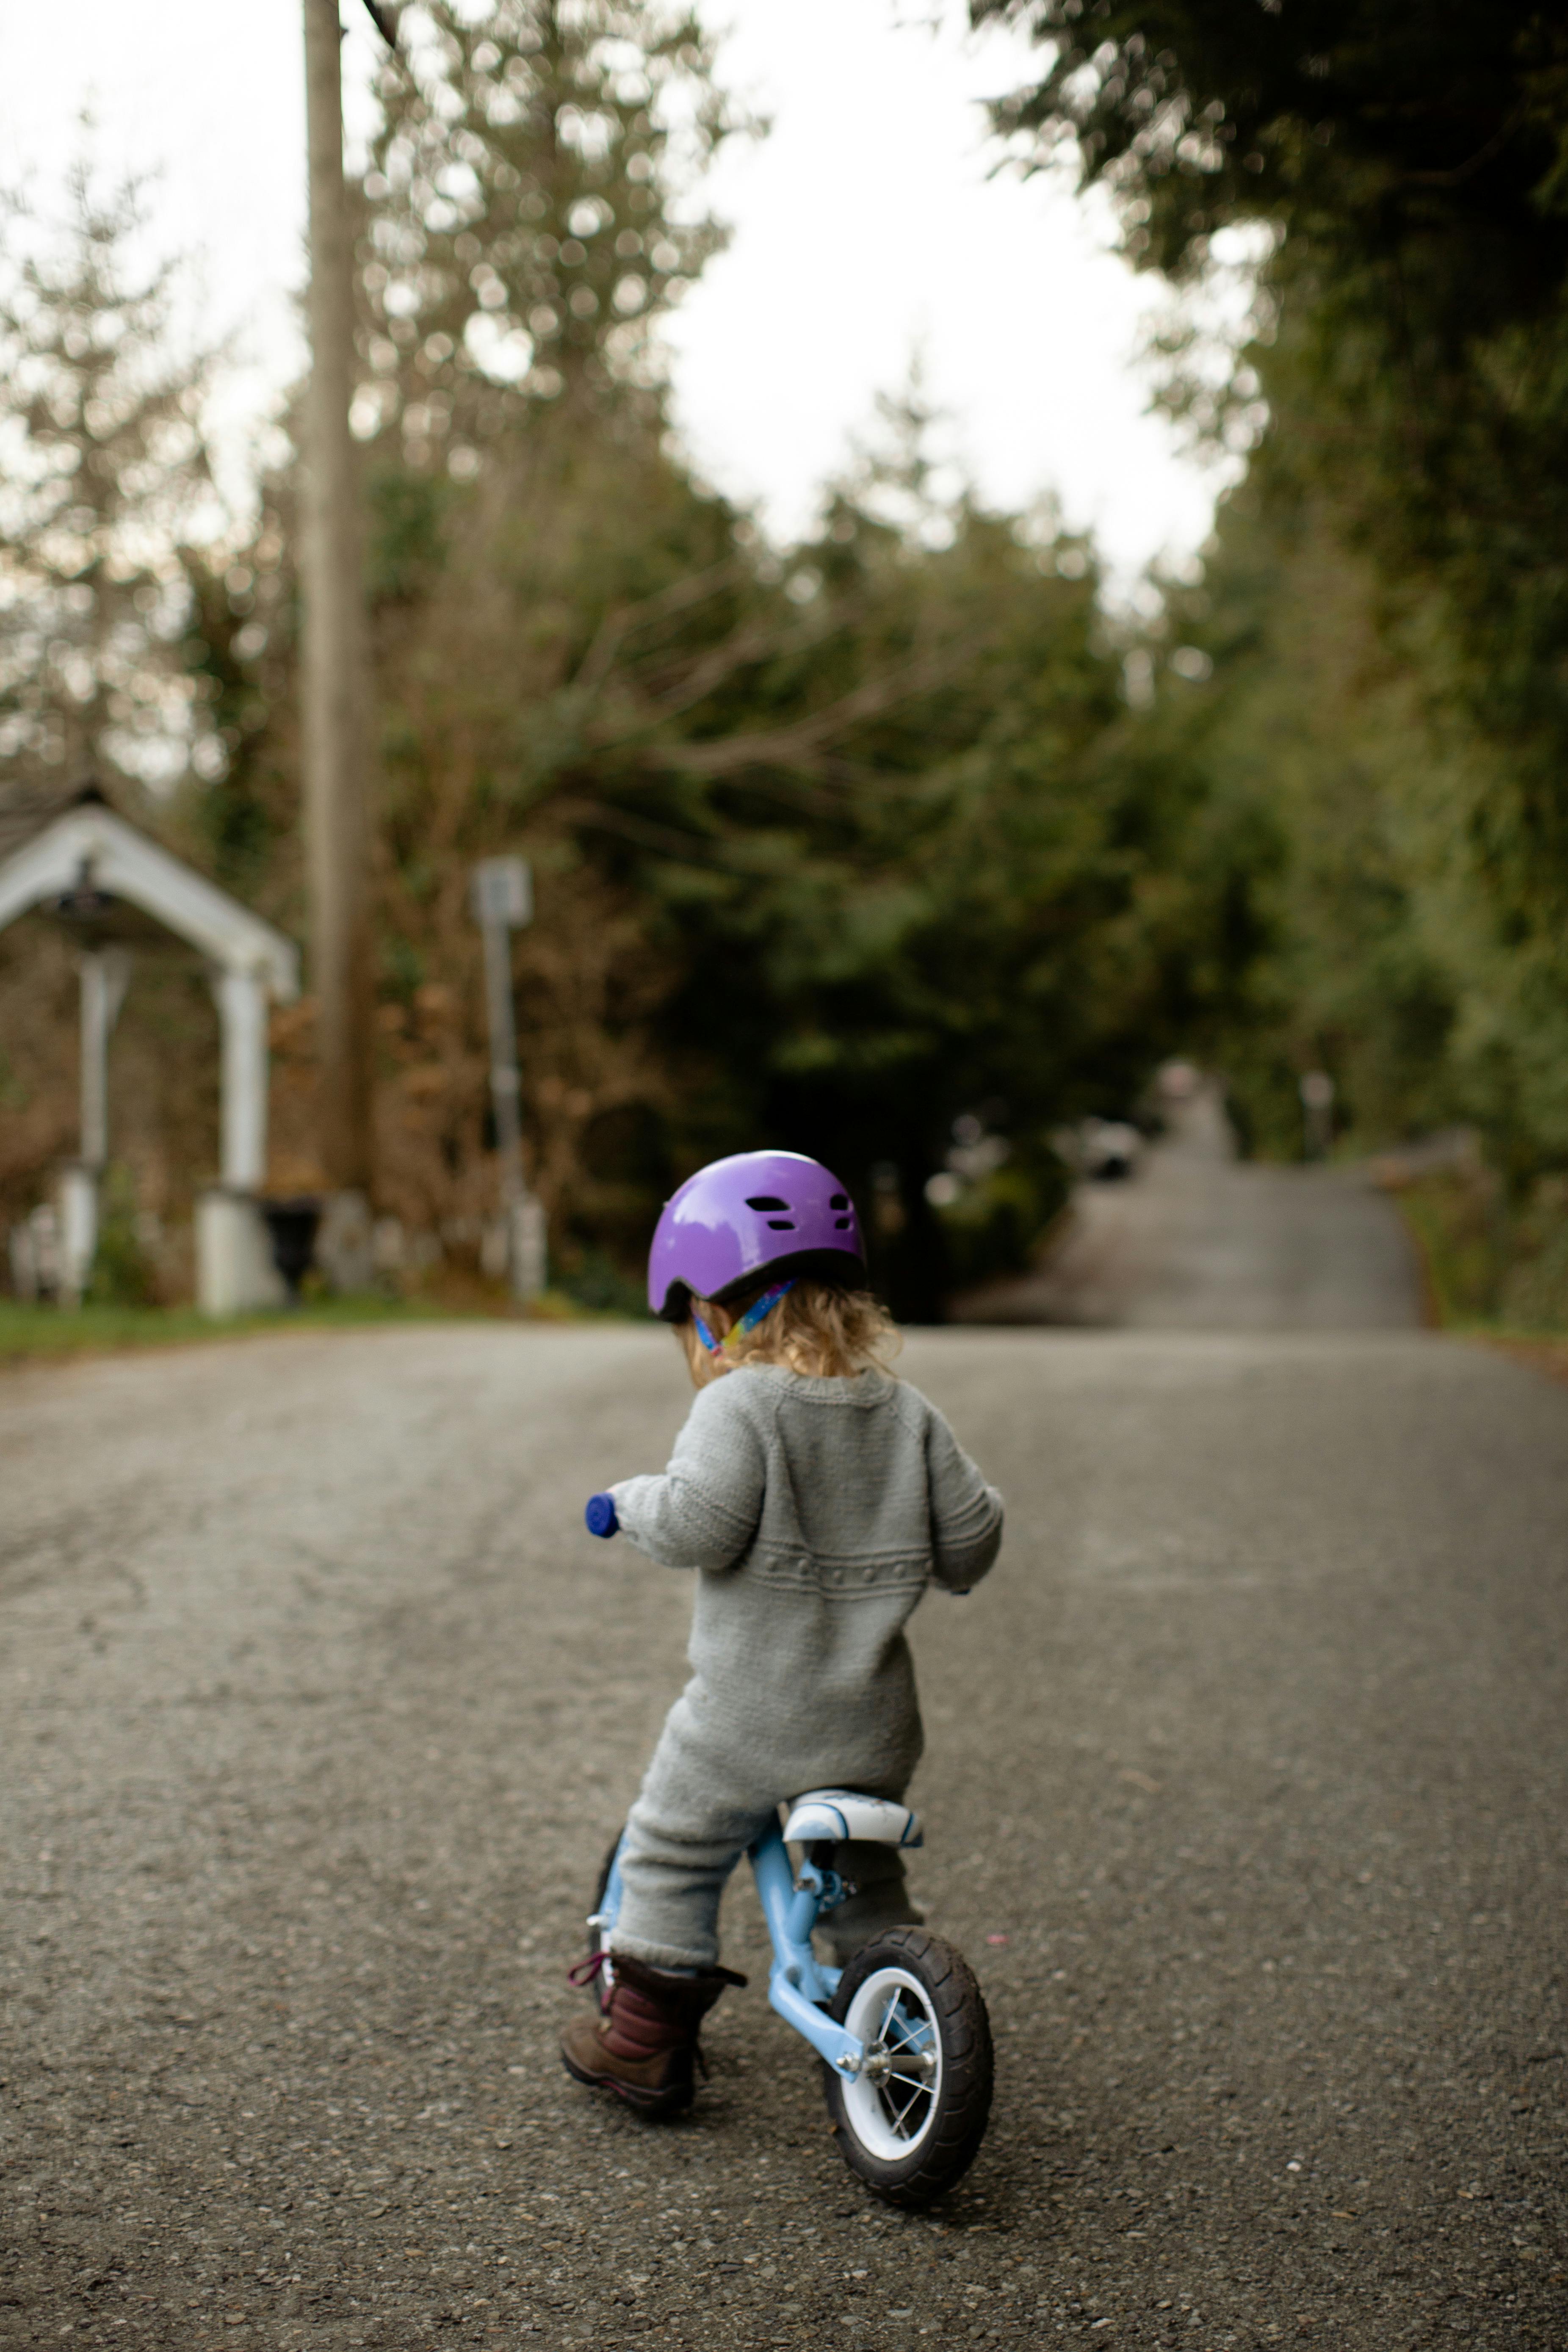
pixel 1201 1242
pixel 316 1711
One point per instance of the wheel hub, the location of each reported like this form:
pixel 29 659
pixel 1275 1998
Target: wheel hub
pixel 880 2062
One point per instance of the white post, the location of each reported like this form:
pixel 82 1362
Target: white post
pixel 1318 1114
pixel 94 1062
pixel 242 1010
pixel 501 895
pixel 77 1215
pixel 235 1272
pixel 506 1086
pixel 104 974
pixel 234 1258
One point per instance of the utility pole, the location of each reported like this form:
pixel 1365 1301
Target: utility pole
pixel 336 701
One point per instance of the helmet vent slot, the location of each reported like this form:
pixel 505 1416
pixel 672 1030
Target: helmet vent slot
pixel 842 1223
pixel 839 1200
pixel 765 1200
pixel 781 1224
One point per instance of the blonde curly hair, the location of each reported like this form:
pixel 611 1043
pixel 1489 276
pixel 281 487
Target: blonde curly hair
pixel 816 1329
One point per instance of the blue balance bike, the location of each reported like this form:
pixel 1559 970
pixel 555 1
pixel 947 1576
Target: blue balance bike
pixel 902 2032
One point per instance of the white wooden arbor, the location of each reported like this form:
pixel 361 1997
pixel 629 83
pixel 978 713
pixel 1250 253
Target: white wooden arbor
pixel 89 853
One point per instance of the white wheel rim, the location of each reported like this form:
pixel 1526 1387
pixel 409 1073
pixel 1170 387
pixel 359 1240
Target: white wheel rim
pixel 891 2104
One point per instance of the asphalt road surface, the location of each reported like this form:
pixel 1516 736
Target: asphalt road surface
pixel 1201 1241
pixel 1245 1794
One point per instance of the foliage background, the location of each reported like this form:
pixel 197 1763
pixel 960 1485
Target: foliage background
pixel 861 846
pixel 1386 607
pixel 835 844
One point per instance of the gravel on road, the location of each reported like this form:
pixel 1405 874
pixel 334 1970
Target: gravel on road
pixel 1244 1794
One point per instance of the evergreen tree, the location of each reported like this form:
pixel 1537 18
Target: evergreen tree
pixel 834 845
pixel 1388 614
pixel 103 472
pixel 523 234
pixel 1410 164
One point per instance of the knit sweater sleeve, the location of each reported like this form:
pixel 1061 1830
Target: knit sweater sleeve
pixel 702 1511
pixel 966 1513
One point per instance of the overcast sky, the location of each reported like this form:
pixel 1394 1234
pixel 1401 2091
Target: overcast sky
pixel 867 227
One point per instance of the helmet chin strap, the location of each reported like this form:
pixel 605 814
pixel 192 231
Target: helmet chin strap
pixel 748 1322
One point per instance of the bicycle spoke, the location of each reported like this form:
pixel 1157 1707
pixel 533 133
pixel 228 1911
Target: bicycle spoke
pixel 897 2120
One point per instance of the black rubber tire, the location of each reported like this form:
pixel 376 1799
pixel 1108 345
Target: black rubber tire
pixel 597 1987
pixel 952 2140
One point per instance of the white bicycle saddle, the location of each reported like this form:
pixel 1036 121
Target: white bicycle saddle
pixel 839 1814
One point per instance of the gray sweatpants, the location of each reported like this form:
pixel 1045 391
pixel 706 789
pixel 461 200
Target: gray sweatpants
pixel 704 1799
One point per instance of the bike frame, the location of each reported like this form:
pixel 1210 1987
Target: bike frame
pixel 799 1988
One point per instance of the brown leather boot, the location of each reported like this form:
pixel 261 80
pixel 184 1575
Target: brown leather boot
pixel 642 2047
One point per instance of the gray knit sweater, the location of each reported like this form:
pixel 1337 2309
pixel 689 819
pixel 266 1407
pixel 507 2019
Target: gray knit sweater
pixel 816 1511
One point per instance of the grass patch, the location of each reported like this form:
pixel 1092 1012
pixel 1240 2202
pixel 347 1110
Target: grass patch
pixel 1490 1276
pixel 1548 1356
pixel 29 1332
pixel 1452 1218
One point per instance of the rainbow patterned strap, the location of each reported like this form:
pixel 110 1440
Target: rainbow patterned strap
pixel 748 1322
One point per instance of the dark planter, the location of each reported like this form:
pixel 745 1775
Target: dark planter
pixel 292 1226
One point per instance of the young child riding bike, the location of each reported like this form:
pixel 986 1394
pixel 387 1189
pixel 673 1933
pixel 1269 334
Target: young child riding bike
pixel 816 1496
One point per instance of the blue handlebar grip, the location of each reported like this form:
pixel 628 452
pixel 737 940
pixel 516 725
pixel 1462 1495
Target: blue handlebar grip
pixel 600 1516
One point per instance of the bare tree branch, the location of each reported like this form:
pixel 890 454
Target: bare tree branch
pixel 694 848
pixel 763 641
pixel 681 596
pixel 804 744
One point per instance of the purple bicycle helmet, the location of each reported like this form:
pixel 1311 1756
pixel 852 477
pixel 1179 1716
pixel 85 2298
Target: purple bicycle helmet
pixel 772 1212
